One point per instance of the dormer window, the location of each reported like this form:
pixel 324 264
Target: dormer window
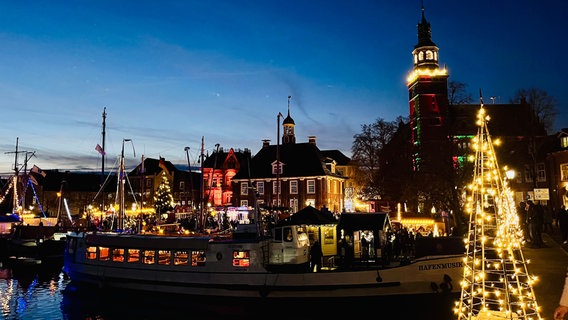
pixel 564 142
pixel 277 169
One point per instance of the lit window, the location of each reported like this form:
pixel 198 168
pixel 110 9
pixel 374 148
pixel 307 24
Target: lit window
pixel 148 257
pixel 181 258
pixel 241 258
pixel 133 255
pixel 564 142
pixel 91 253
pixel 118 255
pixel 244 188
pixel 198 258
pixel 164 257
pixel 564 172
pixel 104 253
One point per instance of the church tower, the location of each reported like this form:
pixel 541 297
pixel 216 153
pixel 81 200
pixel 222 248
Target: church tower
pixel 288 124
pixel 428 99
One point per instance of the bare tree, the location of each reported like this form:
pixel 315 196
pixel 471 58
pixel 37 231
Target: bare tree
pixel 367 153
pixel 457 93
pixel 542 104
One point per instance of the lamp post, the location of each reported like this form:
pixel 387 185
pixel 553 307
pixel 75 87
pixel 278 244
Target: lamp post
pixel 190 198
pixel 278 160
pixel 121 181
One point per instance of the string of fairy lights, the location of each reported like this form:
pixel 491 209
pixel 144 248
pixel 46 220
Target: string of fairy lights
pixel 496 283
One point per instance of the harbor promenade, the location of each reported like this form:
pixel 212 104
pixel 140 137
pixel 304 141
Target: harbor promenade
pixel 549 264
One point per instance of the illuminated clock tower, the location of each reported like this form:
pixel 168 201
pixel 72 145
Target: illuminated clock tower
pixel 428 99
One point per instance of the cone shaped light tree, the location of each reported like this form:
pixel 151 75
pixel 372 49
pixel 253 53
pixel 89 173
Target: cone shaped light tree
pixel 496 283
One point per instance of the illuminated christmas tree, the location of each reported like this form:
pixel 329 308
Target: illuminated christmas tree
pixel 496 283
pixel 164 200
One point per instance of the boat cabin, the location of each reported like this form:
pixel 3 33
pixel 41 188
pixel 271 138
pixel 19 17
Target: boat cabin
pixel 289 247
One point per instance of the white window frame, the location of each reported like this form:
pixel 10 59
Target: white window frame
pixel 275 168
pixel 277 187
pixel 244 188
pixel 260 187
pixel 310 186
pixel 244 203
pixel 293 186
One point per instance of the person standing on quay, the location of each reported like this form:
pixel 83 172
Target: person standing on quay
pixel 316 256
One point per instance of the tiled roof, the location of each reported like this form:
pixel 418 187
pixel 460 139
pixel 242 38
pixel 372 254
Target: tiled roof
pixel 298 160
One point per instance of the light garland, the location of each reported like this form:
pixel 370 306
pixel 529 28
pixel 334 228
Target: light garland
pixel 496 283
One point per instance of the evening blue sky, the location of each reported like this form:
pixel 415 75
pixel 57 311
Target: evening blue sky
pixel 172 72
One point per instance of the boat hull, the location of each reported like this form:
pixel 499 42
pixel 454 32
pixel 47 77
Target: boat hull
pixel 218 278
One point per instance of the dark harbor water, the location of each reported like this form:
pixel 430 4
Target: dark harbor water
pixel 47 293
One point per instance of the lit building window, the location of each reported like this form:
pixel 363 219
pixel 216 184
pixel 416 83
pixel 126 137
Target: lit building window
pixel 564 172
pixel 244 188
pixel 260 187
pixel 564 142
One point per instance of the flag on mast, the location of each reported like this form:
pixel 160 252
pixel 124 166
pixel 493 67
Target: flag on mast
pixel 36 169
pixel 163 164
pixel 100 149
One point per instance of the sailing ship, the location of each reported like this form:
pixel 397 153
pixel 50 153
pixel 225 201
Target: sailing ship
pixel 30 240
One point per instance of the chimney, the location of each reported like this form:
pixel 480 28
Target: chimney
pixel 312 140
pixel 265 143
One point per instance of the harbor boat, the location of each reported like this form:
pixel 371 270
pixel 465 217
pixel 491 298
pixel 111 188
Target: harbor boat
pixel 29 244
pixel 246 264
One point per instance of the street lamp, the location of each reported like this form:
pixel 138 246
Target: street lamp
pixel 510 174
pixel 190 176
pixel 121 178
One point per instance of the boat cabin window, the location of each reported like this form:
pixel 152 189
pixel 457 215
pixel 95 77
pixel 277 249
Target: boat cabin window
pixel 164 257
pixel 148 256
pixel 181 258
pixel 198 258
pixel 288 232
pixel 91 253
pixel 241 258
pixel 133 255
pixel 118 255
pixel 104 254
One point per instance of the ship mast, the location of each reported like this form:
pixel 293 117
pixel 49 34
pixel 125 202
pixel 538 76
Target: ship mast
pixel 103 159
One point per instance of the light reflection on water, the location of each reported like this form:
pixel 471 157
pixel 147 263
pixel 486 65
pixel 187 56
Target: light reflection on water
pixel 48 293
pixel 31 293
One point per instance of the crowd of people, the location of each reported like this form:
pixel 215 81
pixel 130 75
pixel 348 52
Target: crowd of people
pixel 536 218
